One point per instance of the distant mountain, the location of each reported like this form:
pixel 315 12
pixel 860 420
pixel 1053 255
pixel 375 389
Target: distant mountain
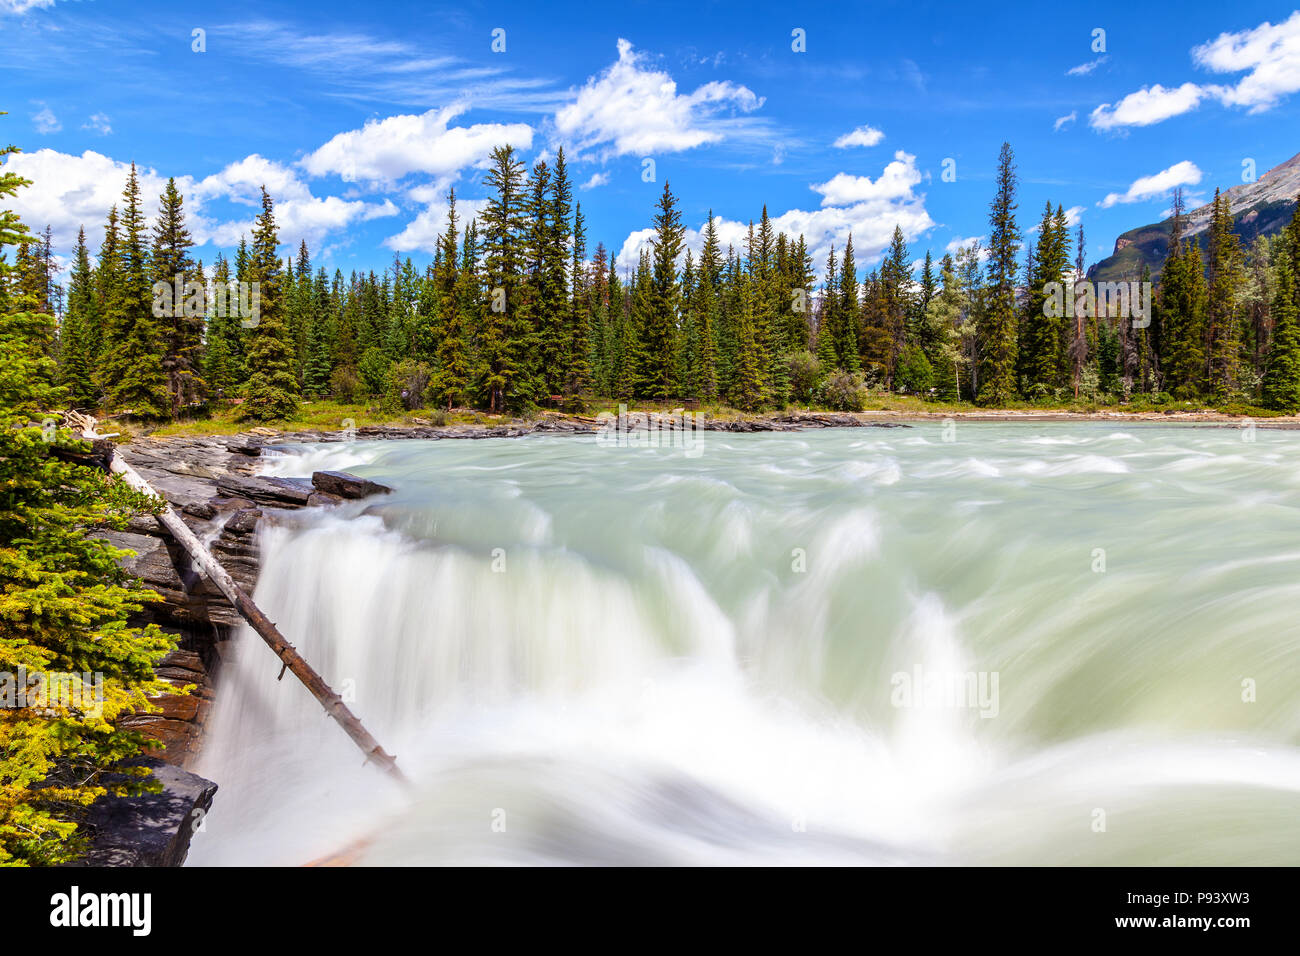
pixel 1261 208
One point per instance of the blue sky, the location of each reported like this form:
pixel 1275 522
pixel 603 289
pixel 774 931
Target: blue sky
pixel 357 117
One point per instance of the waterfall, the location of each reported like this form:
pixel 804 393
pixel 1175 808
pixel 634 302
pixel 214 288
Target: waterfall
pixel 840 647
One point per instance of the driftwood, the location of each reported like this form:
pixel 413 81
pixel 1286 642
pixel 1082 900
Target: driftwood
pixel 289 656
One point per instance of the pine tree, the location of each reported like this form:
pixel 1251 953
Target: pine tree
pixel 943 316
pixel 1182 312
pixel 1078 340
pixel 747 385
pixel 1281 387
pixel 998 336
pixel 707 305
pixel 1043 329
pixel 657 336
pixel 636 357
pixel 578 339
pixel 555 329
pixel 132 371
pixel 182 323
pixel 829 335
pixel 223 351
pixel 848 317
pixel 1222 320
pixel 451 380
pixel 506 339
pixel 272 386
pixel 317 366
pixel 301 303
pixel 896 299
pixel 79 351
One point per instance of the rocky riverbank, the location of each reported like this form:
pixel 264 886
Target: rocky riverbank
pixel 211 483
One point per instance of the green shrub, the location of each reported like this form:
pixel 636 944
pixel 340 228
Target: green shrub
pixel 803 371
pixel 408 383
pixel 345 386
pixel 914 372
pixel 843 392
pixel 373 369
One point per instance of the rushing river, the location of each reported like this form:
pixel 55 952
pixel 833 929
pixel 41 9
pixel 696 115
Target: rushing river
pixel 1032 643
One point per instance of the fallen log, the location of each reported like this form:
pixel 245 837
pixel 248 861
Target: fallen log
pixel 264 626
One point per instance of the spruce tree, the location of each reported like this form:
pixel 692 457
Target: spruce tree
pixel 657 335
pixel 1043 327
pixel 747 386
pixel 79 352
pixel 848 316
pixel 578 337
pixel 451 380
pixel 507 339
pixel 829 336
pixel 318 365
pixel 998 336
pixel 1222 319
pixel 272 386
pixel 182 333
pixel 132 370
pixel 708 304
pixel 1182 312
pixel 1281 386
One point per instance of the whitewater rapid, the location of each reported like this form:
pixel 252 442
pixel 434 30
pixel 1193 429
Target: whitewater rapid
pixel 593 654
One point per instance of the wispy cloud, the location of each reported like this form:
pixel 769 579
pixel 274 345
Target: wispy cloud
pixel 1064 121
pixel 361 66
pixel 99 123
pixel 1083 69
pixel 22 6
pixel 46 122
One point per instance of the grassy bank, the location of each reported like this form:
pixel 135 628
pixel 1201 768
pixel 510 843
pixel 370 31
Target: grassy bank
pixel 328 415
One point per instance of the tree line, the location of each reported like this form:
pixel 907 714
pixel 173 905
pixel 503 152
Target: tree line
pixel 513 313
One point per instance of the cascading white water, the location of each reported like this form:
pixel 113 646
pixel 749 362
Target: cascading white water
pixel 593 654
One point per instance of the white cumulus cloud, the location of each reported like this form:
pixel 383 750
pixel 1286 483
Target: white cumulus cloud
pixel 895 182
pixel 386 150
pixel 1148 105
pixel 867 209
pixel 70 191
pixel 862 136
pixel 1185 173
pixel 632 108
pixel 1269 54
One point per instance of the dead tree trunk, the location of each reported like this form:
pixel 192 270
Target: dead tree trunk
pixel 289 656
